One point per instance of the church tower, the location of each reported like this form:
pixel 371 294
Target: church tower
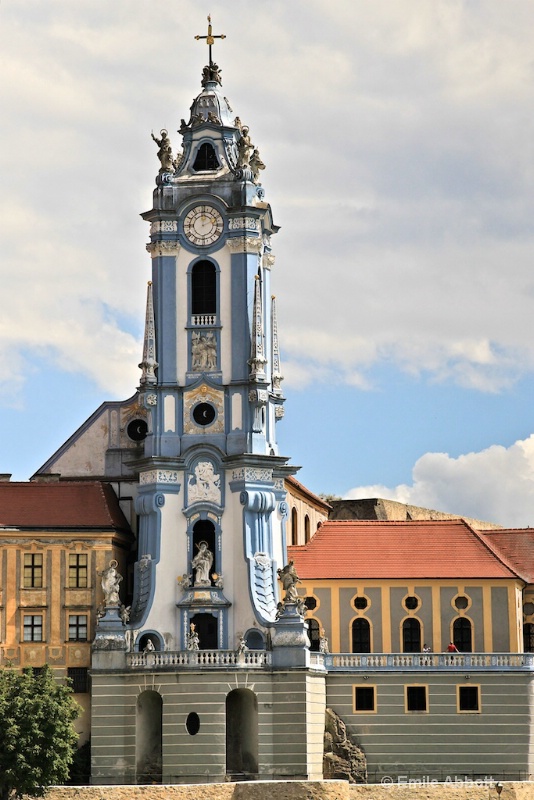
pixel 211 496
pixel 209 653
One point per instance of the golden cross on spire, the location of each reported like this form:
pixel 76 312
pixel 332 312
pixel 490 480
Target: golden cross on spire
pixel 210 38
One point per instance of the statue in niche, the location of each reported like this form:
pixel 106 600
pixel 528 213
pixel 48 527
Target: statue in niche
pixel 149 646
pixel 203 351
pixel 202 564
pixel 289 578
pixel 244 148
pixel 110 584
pixel 256 164
pixel 165 151
pixel 193 642
pixel 204 484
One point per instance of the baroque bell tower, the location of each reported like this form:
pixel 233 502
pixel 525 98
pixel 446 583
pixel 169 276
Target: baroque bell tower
pixel 209 671
pixel 212 480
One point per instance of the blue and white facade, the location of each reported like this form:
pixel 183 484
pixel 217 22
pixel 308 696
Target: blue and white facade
pixel 211 469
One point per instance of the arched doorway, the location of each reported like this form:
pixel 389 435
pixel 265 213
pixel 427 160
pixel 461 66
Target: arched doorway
pixel 206 628
pixel 148 737
pixel 241 733
pixel 411 635
pixel 361 636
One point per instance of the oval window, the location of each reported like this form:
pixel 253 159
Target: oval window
pixel 192 723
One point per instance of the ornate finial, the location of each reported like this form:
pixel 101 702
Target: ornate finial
pixel 277 376
pixel 210 39
pixel 257 358
pixel 149 364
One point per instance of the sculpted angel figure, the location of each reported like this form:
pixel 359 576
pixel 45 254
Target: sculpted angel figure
pixel 256 164
pixel 288 576
pixel 165 151
pixel 202 564
pixel 244 148
pixel 193 642
pixel 110 584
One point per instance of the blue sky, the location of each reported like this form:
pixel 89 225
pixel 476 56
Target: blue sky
pixel 398 139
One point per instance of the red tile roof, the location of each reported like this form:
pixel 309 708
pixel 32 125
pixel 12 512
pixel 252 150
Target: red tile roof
pixel 412 549
pixel 60 505
pixel 517 544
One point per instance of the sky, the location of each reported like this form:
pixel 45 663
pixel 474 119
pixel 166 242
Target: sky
pixel 399 149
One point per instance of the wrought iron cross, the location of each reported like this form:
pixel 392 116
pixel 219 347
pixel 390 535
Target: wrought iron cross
pixel 210 38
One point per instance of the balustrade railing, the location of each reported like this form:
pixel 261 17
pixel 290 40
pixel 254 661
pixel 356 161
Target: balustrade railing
pixel 257 659
pixel 211 659
pixel 395 661
pixel 204 319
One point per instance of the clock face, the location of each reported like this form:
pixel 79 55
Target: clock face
pixel 203 225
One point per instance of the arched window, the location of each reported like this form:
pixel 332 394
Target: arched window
pixel 148 737
pixel 294 526
pixel 411 635
pixel 144 640
pixel 206 158
pixel 204 531
pixel 307 528
pixel 462 634
pixel 314 634
pixel 241 732
pixel 361 636
pixel 203 288
pixel 528 637
pixel 254 639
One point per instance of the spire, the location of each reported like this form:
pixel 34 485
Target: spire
pixel 149 364
pixel 277 375
pixel 257 359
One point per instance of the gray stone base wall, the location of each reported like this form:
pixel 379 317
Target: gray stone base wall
pixel 291 709
pixel 442 742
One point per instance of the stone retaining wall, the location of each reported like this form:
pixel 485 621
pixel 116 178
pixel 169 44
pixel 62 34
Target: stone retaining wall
pixel 294 790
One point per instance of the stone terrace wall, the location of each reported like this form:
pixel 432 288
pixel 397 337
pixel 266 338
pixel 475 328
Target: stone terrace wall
pixel 294 790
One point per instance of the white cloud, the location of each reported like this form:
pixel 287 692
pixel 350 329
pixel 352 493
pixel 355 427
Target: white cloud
pixel 399 150
pixel 495 485
pixel 399 159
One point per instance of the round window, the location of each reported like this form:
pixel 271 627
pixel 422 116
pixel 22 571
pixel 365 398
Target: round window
pixel 528 609
pixel 137 430
pixel 411 603
pixel 204 414
pixel 360 603
pixel 310 603
pixel 461 602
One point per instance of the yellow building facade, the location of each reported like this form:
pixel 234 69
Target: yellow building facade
pixel 55 540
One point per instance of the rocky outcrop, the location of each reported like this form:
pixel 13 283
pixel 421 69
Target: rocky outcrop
pixel 342 760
